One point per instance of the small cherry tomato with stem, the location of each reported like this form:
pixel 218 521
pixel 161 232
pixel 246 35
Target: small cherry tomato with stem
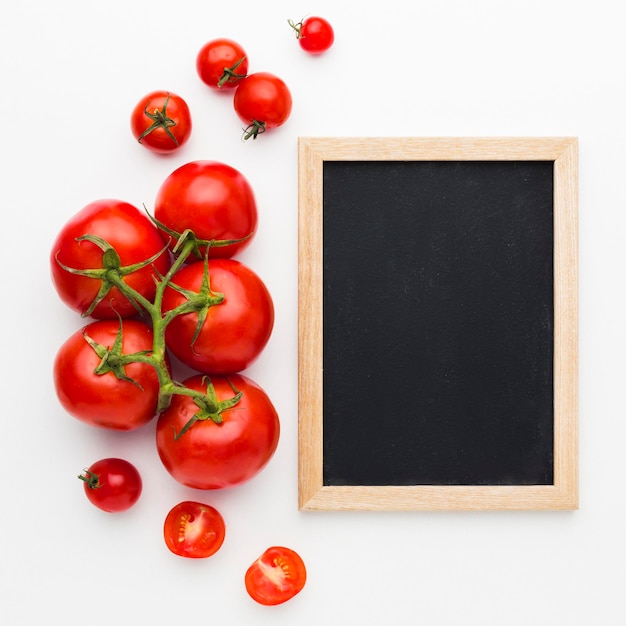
pixel 262 101
pixel 221 64
pixel 315 34
pixel 112 484
pixel 161 121
pixel 194 530
pixel 276 576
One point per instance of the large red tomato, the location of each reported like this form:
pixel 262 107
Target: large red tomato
pixel 102 391
pixel 218 445
pixel 135 239
pixel 212 199
pixel 234 331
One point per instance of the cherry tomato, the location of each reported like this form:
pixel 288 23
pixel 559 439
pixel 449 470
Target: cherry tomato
pixel 262 101
pixel 194 530
pixel 135 239
pixel 96 390
pixel 112 485
pixel 212 199
pixel 161 121
pixel 224 443
pixel 276 576
pixel 315 34
pixel 222 63
pixel 235 329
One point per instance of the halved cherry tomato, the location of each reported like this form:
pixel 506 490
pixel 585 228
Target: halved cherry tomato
pixel 112 484
pixel 276 576
pixel 194 530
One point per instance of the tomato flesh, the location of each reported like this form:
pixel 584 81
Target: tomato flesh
pixel 194 530
pixel 276 576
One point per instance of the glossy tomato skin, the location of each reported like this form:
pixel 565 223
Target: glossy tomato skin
pixel 103 400
pixel 276 576
pixel 221 64
pixel 234 332
pixel 113 485
pixel 214 200
pixel 134 237
pixel 316 35
pixel 161 122
pixel 216 456
pixel 194 530
pixel 264 98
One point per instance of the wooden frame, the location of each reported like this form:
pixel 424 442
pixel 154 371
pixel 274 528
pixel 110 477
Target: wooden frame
pixel 312 494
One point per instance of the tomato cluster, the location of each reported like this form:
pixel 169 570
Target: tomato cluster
pixel 150 287
pixel 170 285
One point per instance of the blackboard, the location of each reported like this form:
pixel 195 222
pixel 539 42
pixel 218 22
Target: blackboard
pixel 437 323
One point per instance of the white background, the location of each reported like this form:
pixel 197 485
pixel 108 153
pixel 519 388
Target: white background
pixel 70 72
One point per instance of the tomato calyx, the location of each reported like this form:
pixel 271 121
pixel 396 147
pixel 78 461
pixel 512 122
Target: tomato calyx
pixel 159 119
pixel 111 272
pixel 199 244
pixel 297 26
pixel 91 479
pixel 197 302
pixel 112 359
pixel 254 130
pixel 210 407
pixel 230 75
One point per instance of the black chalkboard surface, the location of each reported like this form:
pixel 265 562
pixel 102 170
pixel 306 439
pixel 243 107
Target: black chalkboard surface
pixel 438 282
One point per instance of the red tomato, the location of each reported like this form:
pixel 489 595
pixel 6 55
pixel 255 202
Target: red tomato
pixel 194 530
pixel 161 121
pixel 135 239
pixel 222 63
pixel 315 34
pixel 222 445
pixel 262 101
pixel 276 576
pixel 112 485
pixel 100 392
pixel 234 331
pixel 212 199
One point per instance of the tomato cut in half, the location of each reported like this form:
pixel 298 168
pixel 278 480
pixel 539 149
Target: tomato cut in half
pixel 194 530
pixel 276 576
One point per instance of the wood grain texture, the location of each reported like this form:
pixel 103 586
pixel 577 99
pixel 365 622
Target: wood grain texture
pixel 312 494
